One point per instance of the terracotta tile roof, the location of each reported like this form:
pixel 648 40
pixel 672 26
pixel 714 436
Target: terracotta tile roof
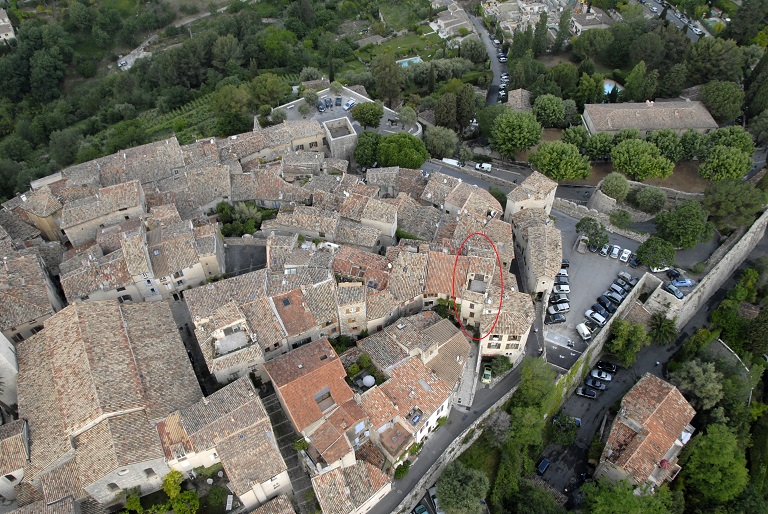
pixel 653 416
pixel 327 201
pixel 23 291
pixel 459 195
pixel 41 203
pixel 545 246
pixel 90 270
pixel 136 252
pixel 310 218
pixel 379 211
pixel 347 415
pixel 324 183
pixel 13 455
pixel 266 185
pixel 516 315
pixel 350 262
pixel 343 490
pixel 378 407
pixel 349 232
pixel 353 206
pixel 451 356
pixel 382 177
pixel 173 436
pixel 172 248
pixel 64 506
pixel 414 218
pixel 202 301
pixel 204 150
pixel 412 386
pixel 379 304
pixel 401 180
pixel 206 239
pixel 250 457
pixel 108 200
pixel 350 293
pixel 16 228
pixel 438 187
pixel 301 162
pixel 288 131
pixel 278 505
pixel 535 187
pixel 384 351
pixel 303 373
pixel 440 275
pixel 364 190
pixel 293 312
pixel 408 275
pixel 681 115
pixel 116 442
pixel 264 322
pixel 331 165
pixel 482 204
pixel 280 283
pixel 321 300
pixel 63 481
pixel 330 442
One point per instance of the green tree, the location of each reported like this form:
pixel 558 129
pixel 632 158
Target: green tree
pixel 560 161
pixel 515 131
pixel 389 78
pixel 268 89
pixel 537 384
pixel 188 502
pixel 368 113
pixel 487 117
pixel 733 203
pixel 640 84
pixel 460 489
pixel 651 199
pixel 700 381
pixel 540 36
pixel 577 135
pixel 278 116
pixel 627 339
pixel 549 110
pixel 172 484
pixel 692 144
pixel 304 109
pixel 402 150
pixel 309 73
pixel 572 116
pixel 336 88
pixel 445 111
pixel 725 162
pixel 673 82
pixel 758 127
pixel 64 144
pixel 133 502
pixel 723 99
pixel 593 230
pixel 563 30
pixel 754 338
pixel 655 252
pixel 499 195
pixel 591 43
pixel 602 497
pixel 599 146
pixel 566 76
pixel 668 143
pixel 717 469
pixel 685 226
pixel 226 50
pixel 712 58
pixel 406 116
pixel 367 150
pixel 590 88
pixel 473 49
pixel 497 427
pixel 640 160
pixel 466 105
pixel 616 186
pixel 125 135
pixel 662 330
pixel 440 142
pixel 734 136
pixel 229 104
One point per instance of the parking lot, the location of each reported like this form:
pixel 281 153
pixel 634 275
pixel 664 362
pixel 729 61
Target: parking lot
pixel 589 275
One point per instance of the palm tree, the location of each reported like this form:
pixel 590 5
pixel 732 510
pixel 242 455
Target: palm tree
pixel 663 330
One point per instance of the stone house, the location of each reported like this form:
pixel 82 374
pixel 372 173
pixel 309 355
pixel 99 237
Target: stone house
pixel 278 505
pixel 350 299
pixel 395 180
pixel 341 138
pixel 536 191
pixel 678 116
pixel 647 435
pixel 229 426
pixel 43 210
pixel 505 332
pixel 92 385
pixel 538 248
pixel 6 29
pixel 592 18
pixel 351 490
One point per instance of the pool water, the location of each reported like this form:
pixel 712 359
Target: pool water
pixel 411 60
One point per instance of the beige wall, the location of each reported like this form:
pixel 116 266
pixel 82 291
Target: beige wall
pixel 9 371
pixel 262 493
pixel 47 226
pixel 352 319
pixel 127 477
pixel 86 232
pixel 510 345
pixel 387 229
pixel 7 486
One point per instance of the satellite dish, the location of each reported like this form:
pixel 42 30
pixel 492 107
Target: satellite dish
pixel 369 381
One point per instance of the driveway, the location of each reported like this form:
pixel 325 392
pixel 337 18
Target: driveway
pixel 590 275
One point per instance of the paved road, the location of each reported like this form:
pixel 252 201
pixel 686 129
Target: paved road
pixel 458 421
pixel 496 67
pixel 673 19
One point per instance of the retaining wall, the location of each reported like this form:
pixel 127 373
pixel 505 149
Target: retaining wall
pixel 580 211
pixel 600 201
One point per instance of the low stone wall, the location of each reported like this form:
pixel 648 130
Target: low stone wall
pixel 601 202
pixel 459 445
pixel 245 241
pixel 577 211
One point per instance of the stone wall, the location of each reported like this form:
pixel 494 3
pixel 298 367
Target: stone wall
pixel 580 211
pixel 471 434
pixel 504 185
pixel 601 202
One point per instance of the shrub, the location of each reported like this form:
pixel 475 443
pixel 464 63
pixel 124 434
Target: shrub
pixel 621 218
pixel 651 199
pixel 402 470
pixel 216 496
pixel 300 445
pixel 500 365
pixel 353 370
pixel 364 360
pixel 616 186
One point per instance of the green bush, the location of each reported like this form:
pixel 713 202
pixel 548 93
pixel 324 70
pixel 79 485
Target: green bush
pixel 364 360
pixel 500 365
pixel 209 471
pixel 402 470
pixel 217 496
pixel 353 370
pixel 651 199
pixel 300 445
pixel 616 186
pixel 621 218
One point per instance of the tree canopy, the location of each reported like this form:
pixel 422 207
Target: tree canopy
pixel 368 113
pixel 655 252
pixel 460 489
pixel 685 226
pixel 440 142
pixel 602 497
pixel 733 203
pixel 616 186
pixel 700 381
pixel 549 110
pixel 724 162
pixel 716 469
pixel 723 99
pixel 402 150
pixel 627 339
pixel 367 150
pixel 640 160
pixel 515 131
pixel 593 230
pixel 560 161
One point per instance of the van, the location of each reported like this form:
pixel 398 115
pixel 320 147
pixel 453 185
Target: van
pixel 484 167
pixel 584 332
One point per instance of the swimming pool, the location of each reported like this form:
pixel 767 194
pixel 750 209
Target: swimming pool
pixel 608 86
pixel 411 60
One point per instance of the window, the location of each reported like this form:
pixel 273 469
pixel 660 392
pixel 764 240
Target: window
pixel 155 252
pixel 149 472
pixel 17 338
pixel 10 477
pixel 36 329
pixel 122 472
pixel 178 274
pixel 471 305
pixel 313 144
pixel 300 147
pixel 214 456
pixel 113 487
pixel 471 314
pixel 125 298
pixel 494 346
pixel 149 282
pixel 120 289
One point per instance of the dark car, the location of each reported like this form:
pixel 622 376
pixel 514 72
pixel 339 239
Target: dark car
pixel 633 261
pixel 595 384
pixel 601 310
pixel 613 297
pixel 673 274
pixel 566 263
pixel 591 325
pixel 338 101
pixel 622 284
pixel 542 466
pixel 560 421
pixel 320 106
pixel 328 103
pixel 586 392
pixel 606 366
pixel 561 281
pixel 553 319
pixel 593 248
pixel 675 291
pixel 607 305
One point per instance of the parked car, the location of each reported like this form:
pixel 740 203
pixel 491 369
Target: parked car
pixel 601 375
pixel 601 310
pixel 486 378
pixel 595 384
pixel 619 282
pixel 542 466
pixel 625 253
pixel 338 101
pixel 697 31
pixel 320 106
pixel 561 289
pixel 584 332
pixel 606 303
pixel 606 366
pixel 420 509
pixel 675 291
pixel 554 319
pixel 591 325
pixel 433 494
pixel 566 263
pixel 682 282
pixel 558 420
pixel 559 308
pixel 629 279
pixel 328 103
pixel 484 167
pixel 604 250
pixel 673 273
pixel 558 298
pixel 653 8
pixel 600 320
pixel 561 281
pixel 618 290
pixel 615 298
pixel 502 59
pixel 350 103
pixel 593 248
pixel 586 392
pixel 562 273
pixel 659 270
pixel 634 262
pixel 615 249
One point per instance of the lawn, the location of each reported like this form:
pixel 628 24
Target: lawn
pixel 404 14
pixel 482 457
pixel 407 45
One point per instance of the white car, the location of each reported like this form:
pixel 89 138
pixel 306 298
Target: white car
pixel 697 31
pixel 559 308
pixel 625 255
pixel 596 317
pixel 654 9
pixel 350 103
pixel 561 289
pixel 601 375
pixel 615 249
pixel 562 273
